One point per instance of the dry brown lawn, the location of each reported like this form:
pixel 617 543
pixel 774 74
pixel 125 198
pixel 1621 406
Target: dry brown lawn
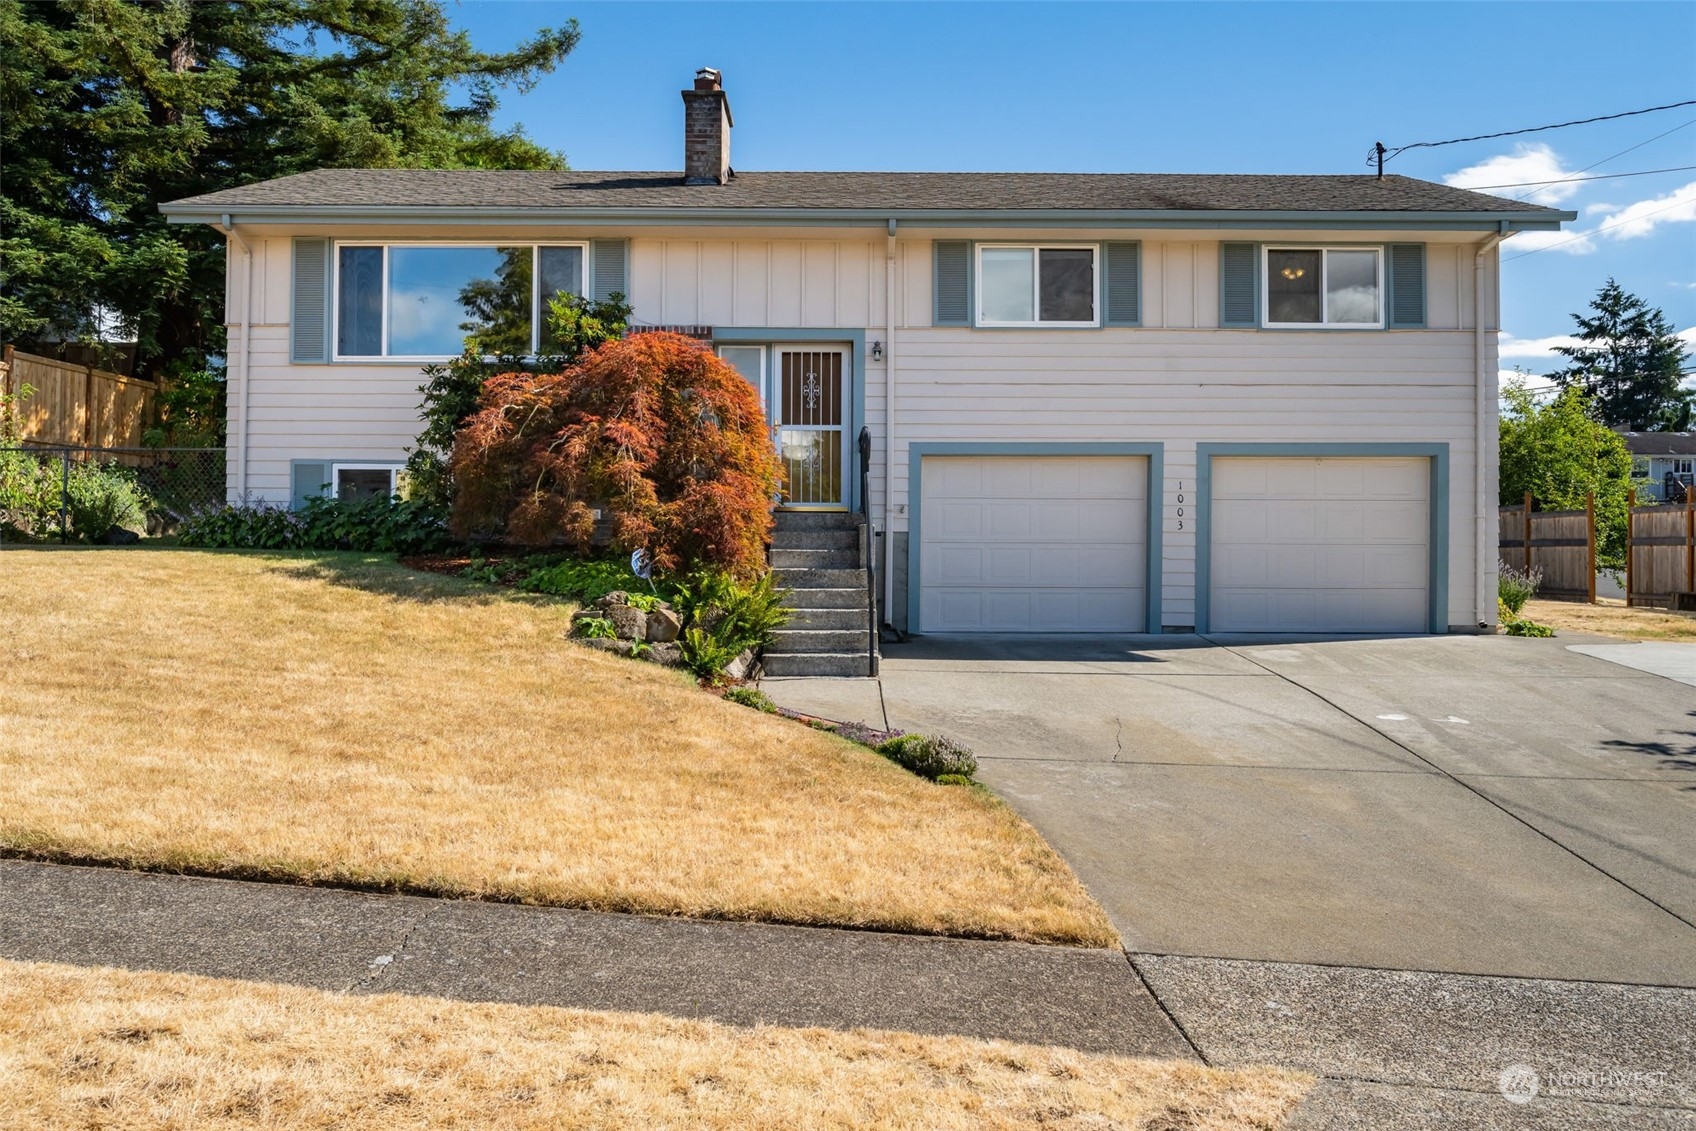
pixel 114 1049
pixel 1612 618
pixel 339 719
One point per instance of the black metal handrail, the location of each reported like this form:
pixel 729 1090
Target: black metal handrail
pixel 865 445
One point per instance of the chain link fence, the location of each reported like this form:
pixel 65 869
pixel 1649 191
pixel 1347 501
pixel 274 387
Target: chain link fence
pixel 110 495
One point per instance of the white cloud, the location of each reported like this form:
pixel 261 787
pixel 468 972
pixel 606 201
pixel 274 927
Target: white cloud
pixel 1528 162
pixel 1509 346
pixel 1573 243
pixel 1532 381
pixel 1676 207
pixel 1593 209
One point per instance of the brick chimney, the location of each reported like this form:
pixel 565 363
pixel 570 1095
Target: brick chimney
pixel 706 131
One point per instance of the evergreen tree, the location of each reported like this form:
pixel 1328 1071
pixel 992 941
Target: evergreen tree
pixel 108 108
pixel 1629 364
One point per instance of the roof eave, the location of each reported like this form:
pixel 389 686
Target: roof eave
pixel 188 213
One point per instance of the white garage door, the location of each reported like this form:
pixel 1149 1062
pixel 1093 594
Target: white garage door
pixel 1320 545
pixel 1033 544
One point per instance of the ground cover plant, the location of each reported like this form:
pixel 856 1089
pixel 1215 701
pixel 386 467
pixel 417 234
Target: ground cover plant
pixel 175 1050
pixel 371 525
pixel 338 718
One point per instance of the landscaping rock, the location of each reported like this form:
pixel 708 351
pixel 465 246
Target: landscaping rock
pixel 668 655
pixel 630 623
pixel 663 625
pixel 616 597
pixel 118 536
pixel 601 643
pixel 741 665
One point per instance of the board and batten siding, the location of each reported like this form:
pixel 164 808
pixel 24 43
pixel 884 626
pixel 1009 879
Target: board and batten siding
pixel 1178 380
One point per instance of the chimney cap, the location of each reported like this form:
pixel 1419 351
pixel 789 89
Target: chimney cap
pixel 708 79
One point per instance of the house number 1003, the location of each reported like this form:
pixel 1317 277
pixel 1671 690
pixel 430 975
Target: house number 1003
pixel 1180 504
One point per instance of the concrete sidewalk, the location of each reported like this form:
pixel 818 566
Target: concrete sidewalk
pixel 738 973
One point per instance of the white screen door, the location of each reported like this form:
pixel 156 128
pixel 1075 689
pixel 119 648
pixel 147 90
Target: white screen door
pixel 806 409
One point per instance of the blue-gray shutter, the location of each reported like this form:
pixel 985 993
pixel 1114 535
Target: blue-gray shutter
pixel 952 260
pixel 309 478
pixel 610 268
pixel 1239 284
pixel 1123 280
pixel 1406 301
pixel 309 308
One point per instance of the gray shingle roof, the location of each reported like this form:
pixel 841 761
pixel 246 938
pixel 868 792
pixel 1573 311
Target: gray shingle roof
pixel 1661 443
pixel 894 192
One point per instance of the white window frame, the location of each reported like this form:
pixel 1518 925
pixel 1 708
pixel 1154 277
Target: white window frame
pixel 1324 290
pixel 336 469
pixel 427 359
pixel 1036 250
pixel 1683 465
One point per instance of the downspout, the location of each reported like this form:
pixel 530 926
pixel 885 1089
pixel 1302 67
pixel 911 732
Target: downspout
pixel 1484 424
pixel 229 229
pixel 889 427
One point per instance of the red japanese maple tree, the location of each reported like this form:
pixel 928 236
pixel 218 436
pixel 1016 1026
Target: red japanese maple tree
pixel 655 429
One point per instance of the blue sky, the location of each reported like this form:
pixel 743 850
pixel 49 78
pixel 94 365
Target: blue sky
pixel 1199 87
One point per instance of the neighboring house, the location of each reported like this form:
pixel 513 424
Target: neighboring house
pixel 1663 464
pixel 1096 402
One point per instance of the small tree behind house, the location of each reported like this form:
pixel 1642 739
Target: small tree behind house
pixel 664 436
pixel 1558 453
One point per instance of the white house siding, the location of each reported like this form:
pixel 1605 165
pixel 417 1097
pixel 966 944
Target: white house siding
pixel 1179 380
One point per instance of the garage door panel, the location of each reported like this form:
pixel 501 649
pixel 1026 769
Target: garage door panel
pixel 1033 543
pixel 1312 544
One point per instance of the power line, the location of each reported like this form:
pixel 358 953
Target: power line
pixel 1639 145
pixel 1528 130
pixel 1575 179
pixel 1596 231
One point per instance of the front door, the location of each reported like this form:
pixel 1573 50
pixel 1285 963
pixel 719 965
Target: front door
pixel 806 410
pixel 802 391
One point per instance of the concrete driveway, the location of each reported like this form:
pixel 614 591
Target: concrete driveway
pixel 1478 805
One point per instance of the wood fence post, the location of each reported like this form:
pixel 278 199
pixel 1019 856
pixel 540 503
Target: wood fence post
pixel 88 407
pixel 1590 547
pixel 6 379
pixel 1689 542
pixel 1528 534
pixel 1630 505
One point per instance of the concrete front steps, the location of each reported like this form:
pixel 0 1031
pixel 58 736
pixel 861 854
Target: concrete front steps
pixel 816 555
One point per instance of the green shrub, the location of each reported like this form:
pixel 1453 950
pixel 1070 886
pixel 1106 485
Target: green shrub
pixel 374 525
pixel 583 579
pixel 953 779
pixel 740 615
pixel 102 497
pixel 596 628
pixel 751 697
pixel 930 756
pixel 705 653
pixel 1514 587
pixel 29 495
pixel 246 526
pixel 1528 628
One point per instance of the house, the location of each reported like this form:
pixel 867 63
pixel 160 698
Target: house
pixel 1095 402
pixel 1663 464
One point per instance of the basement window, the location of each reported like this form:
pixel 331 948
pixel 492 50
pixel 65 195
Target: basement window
pixel 429 302
pixel 1030 285
pixel 356 482
pixel 1309 287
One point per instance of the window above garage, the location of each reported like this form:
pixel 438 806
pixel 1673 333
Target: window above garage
pixel 1035 285
pixel 1323 286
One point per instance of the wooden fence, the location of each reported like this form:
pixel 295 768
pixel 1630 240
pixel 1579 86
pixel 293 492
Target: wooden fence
pixel 1560 543
pixel 1660 554
pixel 76 404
